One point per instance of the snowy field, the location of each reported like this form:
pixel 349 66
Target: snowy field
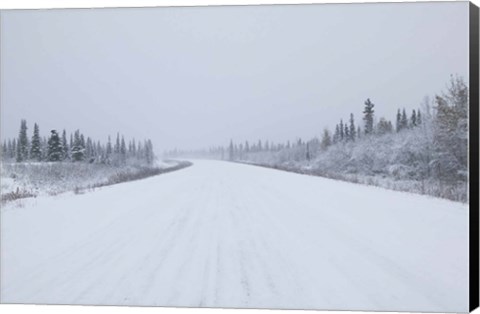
pixel 221 234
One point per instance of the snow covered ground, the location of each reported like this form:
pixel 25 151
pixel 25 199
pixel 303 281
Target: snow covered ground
pixel 51 178
pixel 221 234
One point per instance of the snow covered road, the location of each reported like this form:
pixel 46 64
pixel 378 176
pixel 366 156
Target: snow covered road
pixel 220 234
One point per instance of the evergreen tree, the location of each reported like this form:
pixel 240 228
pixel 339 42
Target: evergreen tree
pixel 55 149
pixel 123 151
pixel 413 119
pixel 347 133
pixel 35 148
pixel 404 120
pixel 419 118
pixel 109 150
pixel 14 148
pixel 78 150
pixel 352 128
pixel 307 152
pixel 149 156
pixel 66 149
pixel 230 151
pixel 368 116
pixel 336 135
pixel 326 140
pixel 384 126
pixel 22 144
pixel 399 121
pixel 89 150
pixel 4 150
pixel 116 148
pixel 341 129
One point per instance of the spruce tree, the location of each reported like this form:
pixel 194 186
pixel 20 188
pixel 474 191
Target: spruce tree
pixel 66 152
pixel 230 151
pixel 413 119
pixel 109 151
pixel 78 150
pixel 22 144
pixel 399 121
pixel 13 152
pixel 347 133
pixel 326 140
pixel 404 120
pixel 35 148
pixel 368 116
pixel 4 150
pixel 307 152
pixel 341 129
pixel 55 149
pixel 123 151
pixel 352 128
pixel 336 134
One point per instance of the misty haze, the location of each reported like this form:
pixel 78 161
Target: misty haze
pixel 286 156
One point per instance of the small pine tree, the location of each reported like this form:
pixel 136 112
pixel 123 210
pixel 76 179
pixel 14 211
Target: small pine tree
pixel 399 121
pixel 353 132
pixel 404 120
pixel 22 144
pixel 413 119
pixel 55 149
pixel 326 140
pixel 66 148
pixel 341 129
pixel 35 148
pixel 230 151
pixel 78 150
pixel 347 133
pixel 123 151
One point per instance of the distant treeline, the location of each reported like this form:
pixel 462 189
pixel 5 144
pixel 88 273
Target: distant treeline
pixel 424 151
pixel 74 148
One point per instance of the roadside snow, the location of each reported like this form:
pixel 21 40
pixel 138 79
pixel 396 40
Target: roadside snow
pixel 221 234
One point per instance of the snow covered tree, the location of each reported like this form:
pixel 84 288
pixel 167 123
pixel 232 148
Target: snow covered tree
pixel 35 148
pixel 4 150
pixel 307 152
pixel 55 149
pixel 341 129
pixel 368 113
pixel 66 148
pixel 353 131
pixel 109 151
pixel 384 126
pixel 451 133
pixel 22 144
pixel 123 151
pixel 78 150
pixel 326 140
pixel 116 148
pixel 399 121
pixel 230 151
pixel 404 120
pixel 336 134
pixel 413 119
pixel 347 133
pixel 149 156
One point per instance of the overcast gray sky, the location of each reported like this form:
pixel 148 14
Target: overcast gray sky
pixel 194 77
